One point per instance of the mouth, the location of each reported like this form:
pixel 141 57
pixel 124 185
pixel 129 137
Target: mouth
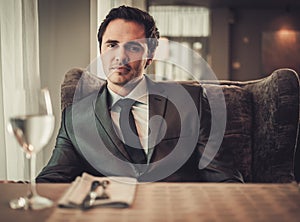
pixel 121 68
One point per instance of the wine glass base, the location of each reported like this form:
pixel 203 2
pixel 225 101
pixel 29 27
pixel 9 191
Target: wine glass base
pixel 36 202
pixel 20 203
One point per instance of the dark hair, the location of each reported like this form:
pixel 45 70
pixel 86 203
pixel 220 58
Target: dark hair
pixel 136 15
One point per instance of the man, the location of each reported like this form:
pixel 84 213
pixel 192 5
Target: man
pixel 133 126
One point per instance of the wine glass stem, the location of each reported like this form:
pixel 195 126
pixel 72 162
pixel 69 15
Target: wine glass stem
pixel 32 186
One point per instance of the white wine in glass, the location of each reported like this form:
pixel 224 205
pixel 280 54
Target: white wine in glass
pixel 33 131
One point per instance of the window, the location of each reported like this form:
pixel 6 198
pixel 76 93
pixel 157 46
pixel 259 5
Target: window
pixel 183 48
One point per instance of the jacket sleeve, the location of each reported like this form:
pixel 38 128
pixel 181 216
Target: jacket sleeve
pixel 65 163
pixel 220 167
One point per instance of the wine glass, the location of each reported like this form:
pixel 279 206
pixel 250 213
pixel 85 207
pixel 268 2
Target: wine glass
pixel 33 131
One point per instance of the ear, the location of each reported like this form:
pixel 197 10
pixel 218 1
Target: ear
pixel 148 62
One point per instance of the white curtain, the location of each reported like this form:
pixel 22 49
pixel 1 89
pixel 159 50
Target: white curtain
pixel 181 20
pixel 19 75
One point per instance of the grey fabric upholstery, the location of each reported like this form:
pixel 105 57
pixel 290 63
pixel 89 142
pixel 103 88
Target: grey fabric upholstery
pixel 238 132
pixel 262 121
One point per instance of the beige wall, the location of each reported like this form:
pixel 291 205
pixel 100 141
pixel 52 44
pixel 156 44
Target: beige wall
pixel 219 42
pixel 64 27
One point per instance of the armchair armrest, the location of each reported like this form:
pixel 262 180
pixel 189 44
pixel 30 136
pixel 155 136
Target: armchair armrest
pixel 275 126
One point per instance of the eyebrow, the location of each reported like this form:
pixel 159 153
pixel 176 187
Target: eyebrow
pixel 133 43
pixel 111 41
pixel 129 42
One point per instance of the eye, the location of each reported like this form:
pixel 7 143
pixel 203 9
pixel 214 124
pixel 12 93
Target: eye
pixel 111 45
pixel 134 48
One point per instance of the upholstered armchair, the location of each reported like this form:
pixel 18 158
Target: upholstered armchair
pixel 262 121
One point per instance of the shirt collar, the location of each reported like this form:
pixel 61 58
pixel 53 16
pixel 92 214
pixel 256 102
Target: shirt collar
pixel 139 94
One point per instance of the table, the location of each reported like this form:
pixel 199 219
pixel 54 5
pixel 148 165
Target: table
pixel 171 202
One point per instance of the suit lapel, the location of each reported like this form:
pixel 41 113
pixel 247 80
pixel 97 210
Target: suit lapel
pixel 157 107
pixel 106 128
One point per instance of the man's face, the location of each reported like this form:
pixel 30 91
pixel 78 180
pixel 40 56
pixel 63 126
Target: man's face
pixel 123 52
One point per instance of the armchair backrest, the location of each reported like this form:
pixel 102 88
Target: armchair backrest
pixel 262 121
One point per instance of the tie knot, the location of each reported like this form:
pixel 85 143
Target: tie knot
pixel 126 103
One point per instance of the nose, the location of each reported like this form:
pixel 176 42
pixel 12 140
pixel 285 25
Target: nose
pixel 121 56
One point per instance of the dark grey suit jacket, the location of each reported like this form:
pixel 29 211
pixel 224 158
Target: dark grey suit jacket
pixel 180 127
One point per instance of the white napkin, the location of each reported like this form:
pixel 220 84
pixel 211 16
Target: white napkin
pixel 121 191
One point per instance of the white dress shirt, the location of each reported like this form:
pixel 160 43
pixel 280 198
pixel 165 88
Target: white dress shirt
pixel 140 111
